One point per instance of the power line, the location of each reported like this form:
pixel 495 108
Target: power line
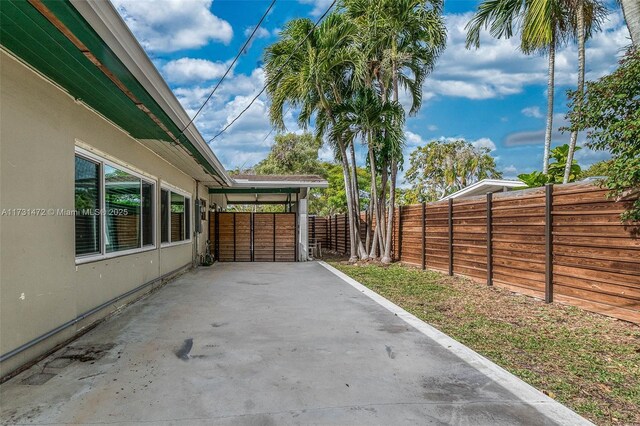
pixel 242 49
pixel 277 72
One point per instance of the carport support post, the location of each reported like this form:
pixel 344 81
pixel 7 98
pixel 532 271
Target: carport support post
pixel 450 236
pixel 489 242
pixel 424 236
pixel 548 232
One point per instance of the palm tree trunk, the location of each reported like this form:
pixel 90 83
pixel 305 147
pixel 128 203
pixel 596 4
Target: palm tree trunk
pixel 550 93
pixel 362 252
pixel 347 185
pixel 374 190
pixel 369 223
pixel 631 11
pixel 578 105
pixel 386 258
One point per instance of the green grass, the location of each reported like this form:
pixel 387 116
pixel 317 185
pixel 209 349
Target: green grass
pixel 587 361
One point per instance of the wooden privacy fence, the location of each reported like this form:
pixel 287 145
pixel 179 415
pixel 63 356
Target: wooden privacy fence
pixel 561 243
pixel 253 237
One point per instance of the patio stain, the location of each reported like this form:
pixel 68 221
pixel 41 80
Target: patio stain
pixel 183 352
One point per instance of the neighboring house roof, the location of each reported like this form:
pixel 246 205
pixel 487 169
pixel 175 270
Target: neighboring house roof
pixel 486 186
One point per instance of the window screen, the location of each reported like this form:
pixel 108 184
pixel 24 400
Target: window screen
pixel 177 217
pixel 123 208
pixel 87 204
pixel 148 196
pixel 164 216
pixel 187 218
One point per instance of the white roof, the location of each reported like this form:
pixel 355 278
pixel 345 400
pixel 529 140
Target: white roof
pixel 485 186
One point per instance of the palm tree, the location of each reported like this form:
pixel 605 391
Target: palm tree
pixel 588 16
pixel 309 68
pixel 544 28
pixel 631 11
pixel 399 42
pixel 379 124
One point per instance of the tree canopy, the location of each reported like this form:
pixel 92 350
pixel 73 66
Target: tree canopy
pixel 292 154
pixel 443 167
pixel 610 112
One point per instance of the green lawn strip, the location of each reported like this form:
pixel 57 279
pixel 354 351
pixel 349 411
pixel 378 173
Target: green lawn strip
pixel 587 361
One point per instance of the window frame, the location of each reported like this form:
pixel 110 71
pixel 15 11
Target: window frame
pixel 102 161
pixel 187 196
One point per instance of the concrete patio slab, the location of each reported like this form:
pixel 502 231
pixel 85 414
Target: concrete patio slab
pixel 270 343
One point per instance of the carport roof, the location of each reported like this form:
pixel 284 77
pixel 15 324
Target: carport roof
pixel 280 181
pixel 269 189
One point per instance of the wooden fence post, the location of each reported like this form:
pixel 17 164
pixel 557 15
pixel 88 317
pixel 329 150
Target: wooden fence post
pixel 346 229
pixel 234 237
pixel 217 237
pixel 489 239
pixel 252 236
pixel 335 228
pixel 296 239
pixel 326 233
pixel 548 232
pixel 399 233
pixel 424 236
pixel 274 237
pixel 450 236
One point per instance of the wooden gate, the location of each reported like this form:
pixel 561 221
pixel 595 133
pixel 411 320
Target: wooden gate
pixel 253 237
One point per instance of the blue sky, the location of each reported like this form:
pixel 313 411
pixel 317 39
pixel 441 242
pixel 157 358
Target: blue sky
pixel 494 96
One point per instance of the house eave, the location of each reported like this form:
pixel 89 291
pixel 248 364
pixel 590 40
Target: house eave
pixel 107 23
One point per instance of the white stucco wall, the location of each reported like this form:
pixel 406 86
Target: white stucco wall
pixel 41 287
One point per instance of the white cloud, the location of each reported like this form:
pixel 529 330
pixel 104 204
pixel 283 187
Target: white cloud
pixel 174 24
pixel 432 127
pixel 510 170
pixel 532 111
pixel 498 68
pixel 249 139
pixel 413 140
pixel 484 143
pixel 193 70
pixel 319 6
pixel 260 32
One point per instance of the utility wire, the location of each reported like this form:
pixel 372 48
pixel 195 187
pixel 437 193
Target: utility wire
pixel 277 72
pixel 242 49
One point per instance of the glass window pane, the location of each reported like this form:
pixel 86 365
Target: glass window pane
pixel 187 218
pixel 164 216
pixel 87 204
pixel 177 217
pixel 148 194
pixel 122 203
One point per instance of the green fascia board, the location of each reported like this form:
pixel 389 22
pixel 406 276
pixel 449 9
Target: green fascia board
pixel 254 190
pixel 30 36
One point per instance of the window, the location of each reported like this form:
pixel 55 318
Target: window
pixel 164 211
pixel 87 206
pixel 148 197
pixel 123 200
pixel 114 208
pixel 176 217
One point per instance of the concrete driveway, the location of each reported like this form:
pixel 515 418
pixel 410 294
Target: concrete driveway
pixel 258 343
